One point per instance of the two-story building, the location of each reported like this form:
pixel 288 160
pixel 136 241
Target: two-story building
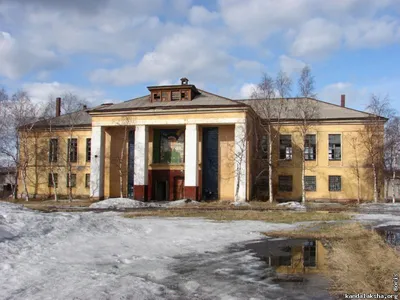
pixel 182 142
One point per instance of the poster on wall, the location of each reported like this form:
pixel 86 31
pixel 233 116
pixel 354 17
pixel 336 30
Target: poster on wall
pixel 172 146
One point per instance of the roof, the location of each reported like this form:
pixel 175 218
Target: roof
pixel 78 118
pixel 327 111
pixel 204 99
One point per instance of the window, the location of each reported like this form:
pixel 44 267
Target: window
pixel 310 147
pixel 176 96
pixel 156 97
pixel 335 147
pixel 72 150
pixel 335 183
pixel 73 180
pixel 310 183
pixel 168 146
pixel 87 180
pixel 51 182
pixel 285 260
pixel 310 254
pixel 264 147
pixel 285 147
pixel 164 96
pixel 285 183
pixel 53 150
pixel 88 149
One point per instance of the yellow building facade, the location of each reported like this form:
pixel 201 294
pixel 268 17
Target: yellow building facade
pixel 181 142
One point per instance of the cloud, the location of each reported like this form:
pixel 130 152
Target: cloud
pixel 317 38
pixel 17 59
pixel 247 90
pixel 39 92
pixel 290 65
pixel 356 97
pixel 190 52
pixel 199 15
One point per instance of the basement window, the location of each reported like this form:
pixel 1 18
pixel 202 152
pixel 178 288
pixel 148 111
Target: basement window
pixel 335 147
pixel 335 183
pixel 310 183
pixel 285 147
pixel 285 183
pixel 310 147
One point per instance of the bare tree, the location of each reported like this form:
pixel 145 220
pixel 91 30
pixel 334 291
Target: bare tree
pixel 392 152
pixel 120 160
pixel 272 107
pixel 306 111
pixel 373 138
pixel 19 115
pixel 71 106
pixel 356 164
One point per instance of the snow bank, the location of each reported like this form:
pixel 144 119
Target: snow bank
pixel 116 203
pixel 121 203
pixel 292 205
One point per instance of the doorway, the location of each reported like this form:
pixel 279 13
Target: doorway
pixel 210 163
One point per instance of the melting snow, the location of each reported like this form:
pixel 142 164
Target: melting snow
pixel 293 205
pixel 104 256
pixel 121 203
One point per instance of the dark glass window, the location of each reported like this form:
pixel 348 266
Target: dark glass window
pixel 88 149
pixel 176 96
pixel 285 183
pixel 50 181
pixel 310 183
pixel 285 147
pixel 73 180
pixel 87 180
pixel 310 147
pixel 53 150
pixel 72 150
pixel 264 147
pixel 335 147
pixel 335 183
pixel 169 146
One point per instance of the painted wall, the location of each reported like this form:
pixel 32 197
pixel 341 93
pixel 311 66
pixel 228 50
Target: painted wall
pixel 39 167
pixel 322 167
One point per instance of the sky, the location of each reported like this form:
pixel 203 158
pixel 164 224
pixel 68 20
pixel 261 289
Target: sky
pixel 111 50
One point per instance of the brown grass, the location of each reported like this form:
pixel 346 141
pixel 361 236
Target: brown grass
pixel 363 265
pixel 328 231
pixel 46 204
pixel 231 215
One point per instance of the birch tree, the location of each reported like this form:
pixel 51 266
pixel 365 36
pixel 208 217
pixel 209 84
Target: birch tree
pixel 305 110
pixel 392 152
pixel 373 138
pixel 272 107
pixel 19 115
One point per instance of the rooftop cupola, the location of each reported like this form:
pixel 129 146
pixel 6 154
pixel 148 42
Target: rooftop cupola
pixel 179 92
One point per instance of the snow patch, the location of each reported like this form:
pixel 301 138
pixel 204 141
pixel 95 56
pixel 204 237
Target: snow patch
pixel 292 205
pixel 121 203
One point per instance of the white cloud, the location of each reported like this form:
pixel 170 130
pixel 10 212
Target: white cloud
pixel 356 97
pixel 247 90
pixel 290 65
pixel 17 59
pixel 317 38
pixel 39 92
pixel 373 33
pixel 190 52
pixel 199 15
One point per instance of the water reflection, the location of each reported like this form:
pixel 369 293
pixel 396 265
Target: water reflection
pixel 291 256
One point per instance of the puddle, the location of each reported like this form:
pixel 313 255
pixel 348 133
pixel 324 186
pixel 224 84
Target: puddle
pixel 391 234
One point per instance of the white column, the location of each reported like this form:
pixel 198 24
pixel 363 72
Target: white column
pixel 191 155
pixel 96 163
pixel 141 155
pixel 240 191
